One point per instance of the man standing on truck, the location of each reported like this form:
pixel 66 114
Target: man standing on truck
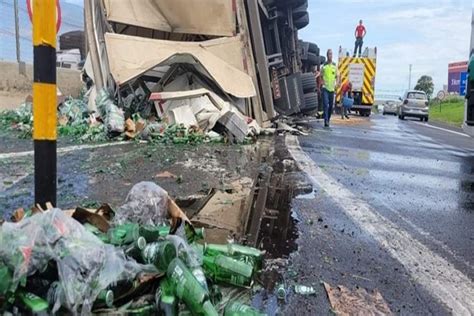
pixel 329 76
pixel 360 33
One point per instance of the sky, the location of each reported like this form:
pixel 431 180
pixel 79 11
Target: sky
pixel 428 34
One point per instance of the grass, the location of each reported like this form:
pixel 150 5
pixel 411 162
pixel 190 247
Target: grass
pixel 452 112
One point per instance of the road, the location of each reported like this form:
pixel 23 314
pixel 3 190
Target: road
pixel 392 209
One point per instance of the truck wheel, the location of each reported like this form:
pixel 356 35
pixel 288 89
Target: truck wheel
pixel 311 102
pixel 300 11
pixel 308 81
pixel 286 3
pixel 309 47
pixel 302 22
pixel 311 59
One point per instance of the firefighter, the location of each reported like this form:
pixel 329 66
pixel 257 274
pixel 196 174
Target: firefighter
pixel 360 33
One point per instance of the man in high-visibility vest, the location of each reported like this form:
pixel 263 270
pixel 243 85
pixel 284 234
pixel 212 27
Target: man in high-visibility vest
pixel 329 77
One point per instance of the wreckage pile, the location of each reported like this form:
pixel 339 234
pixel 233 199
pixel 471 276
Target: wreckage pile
pixel 128 262
pixel 178 125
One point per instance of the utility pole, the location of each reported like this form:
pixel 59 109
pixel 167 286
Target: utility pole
pixel 17 31
pixel 44 100
pixel 409 77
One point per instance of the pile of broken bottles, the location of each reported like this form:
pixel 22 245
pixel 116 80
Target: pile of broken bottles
pixel 95 261
pixel 111 122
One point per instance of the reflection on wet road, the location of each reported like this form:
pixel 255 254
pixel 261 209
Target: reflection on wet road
pixel 408 188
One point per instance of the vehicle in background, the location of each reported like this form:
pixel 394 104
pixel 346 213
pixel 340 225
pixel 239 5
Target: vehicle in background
pixel 414 104
pixel 390 107
pixel 68 58
pixel 361 72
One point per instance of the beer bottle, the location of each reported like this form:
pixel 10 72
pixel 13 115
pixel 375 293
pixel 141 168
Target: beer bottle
pixel 5 280
pixel 31 302
pixel 94 230
pixel 228 270
pixel 234 250
pixel 159 253
pixel 166 301
pixel 135 250
pixel 123 234
pixel 238 309
pixel 186 287
pixel 153 233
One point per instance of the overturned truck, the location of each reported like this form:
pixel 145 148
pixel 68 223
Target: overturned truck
pixel 215 56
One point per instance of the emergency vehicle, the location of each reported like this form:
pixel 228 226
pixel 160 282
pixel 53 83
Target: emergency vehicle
pixel 360 71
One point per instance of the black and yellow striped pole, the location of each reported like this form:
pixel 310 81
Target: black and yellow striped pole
pixel 44 100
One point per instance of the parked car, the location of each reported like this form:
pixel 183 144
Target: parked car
pixel 414 104
pixel 390 107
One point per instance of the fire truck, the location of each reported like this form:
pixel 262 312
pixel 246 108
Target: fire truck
pixel 361 72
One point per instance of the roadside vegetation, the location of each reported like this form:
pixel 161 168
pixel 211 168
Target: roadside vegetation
pixel 449 111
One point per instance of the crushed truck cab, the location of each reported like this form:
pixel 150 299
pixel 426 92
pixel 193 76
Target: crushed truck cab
pixel 361 71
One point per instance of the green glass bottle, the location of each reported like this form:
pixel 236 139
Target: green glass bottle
pixel 228 270
pixel 153 233
pixel 166 301
pixel 159 253
pixel 208 309
pixel 105 297
pixel 125 234
pixel 234 250
pixel 194 235
pixel 135 250
pixel 94 230
pixel 186 287
pixel 32 302
pixel 56 294
pixel 5 280
pixel 238 309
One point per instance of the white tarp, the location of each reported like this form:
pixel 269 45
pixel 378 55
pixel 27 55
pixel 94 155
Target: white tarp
pixel 206 17
pixel 130 57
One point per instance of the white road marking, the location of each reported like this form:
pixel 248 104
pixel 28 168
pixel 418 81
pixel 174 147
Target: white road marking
pixel 441 129
pixel 444 282
pixel 62 150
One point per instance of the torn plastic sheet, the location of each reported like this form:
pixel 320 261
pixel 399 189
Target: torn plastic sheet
pixel 85 264
pixel 146 204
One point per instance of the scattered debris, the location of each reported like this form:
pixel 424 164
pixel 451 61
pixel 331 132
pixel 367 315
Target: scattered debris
pixel 359 302
pixel 127 262
pixel 166 175
pixel 305 290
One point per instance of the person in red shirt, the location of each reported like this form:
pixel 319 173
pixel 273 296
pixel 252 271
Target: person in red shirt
pixel 360 32
pixel 346 92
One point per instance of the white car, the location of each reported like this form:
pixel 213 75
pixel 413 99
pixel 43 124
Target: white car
pixel 390 107
pixel 414 104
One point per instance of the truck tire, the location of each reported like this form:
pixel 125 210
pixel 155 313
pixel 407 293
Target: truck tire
pixel 300 10
pixel 308 81
pixel 310 59
pixel 311 102
pixel 302 22
pixel 293 3
pixel 313 48
pixel 322 60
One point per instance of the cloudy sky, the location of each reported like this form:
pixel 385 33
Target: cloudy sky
pixel 426 33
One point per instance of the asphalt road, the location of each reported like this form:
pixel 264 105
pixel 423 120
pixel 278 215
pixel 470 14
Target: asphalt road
pixel 392 210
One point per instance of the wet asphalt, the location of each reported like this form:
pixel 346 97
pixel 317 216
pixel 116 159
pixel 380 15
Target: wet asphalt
pixel 419 178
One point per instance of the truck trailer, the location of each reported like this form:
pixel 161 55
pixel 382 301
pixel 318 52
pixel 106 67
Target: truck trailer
pixel 256 41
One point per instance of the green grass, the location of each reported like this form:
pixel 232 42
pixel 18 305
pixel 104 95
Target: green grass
pixel 452 112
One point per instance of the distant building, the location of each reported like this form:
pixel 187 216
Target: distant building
pixel 457 73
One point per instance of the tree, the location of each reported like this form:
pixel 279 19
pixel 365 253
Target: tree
pixel 425 83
